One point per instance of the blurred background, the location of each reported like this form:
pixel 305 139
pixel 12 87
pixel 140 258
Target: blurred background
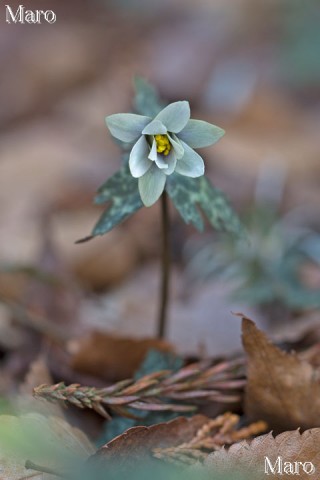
pixel 251 67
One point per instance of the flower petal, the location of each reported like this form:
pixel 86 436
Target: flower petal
pixel 178 148
pixel 171 160
pixel 191 164
pixel 161 161
pixel 175 116
pixel 155 127
pixel 151 185
pixel 139 163
pixel 153 152
pixel 198 133
pixel 127 127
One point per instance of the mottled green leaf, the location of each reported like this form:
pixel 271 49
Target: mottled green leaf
pixel 193 195
pixel 217 209
pixel 267 273
pixel 156 360
pixel 121 190
pixel 147 101
pixel 185 194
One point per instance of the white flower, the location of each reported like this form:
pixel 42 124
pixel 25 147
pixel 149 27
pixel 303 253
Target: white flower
pixel 163 145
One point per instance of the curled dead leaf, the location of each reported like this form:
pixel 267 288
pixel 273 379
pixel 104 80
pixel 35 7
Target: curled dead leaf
pixel 282 389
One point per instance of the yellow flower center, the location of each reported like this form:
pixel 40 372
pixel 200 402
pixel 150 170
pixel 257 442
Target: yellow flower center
pixel 163 144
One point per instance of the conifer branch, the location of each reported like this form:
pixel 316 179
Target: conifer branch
pixel 161 391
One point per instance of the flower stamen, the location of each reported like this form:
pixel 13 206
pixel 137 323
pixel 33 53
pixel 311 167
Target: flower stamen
pixel 163 144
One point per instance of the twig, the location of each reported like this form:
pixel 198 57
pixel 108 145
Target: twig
pixel 212 436
pixel 38 468
pixel 160 391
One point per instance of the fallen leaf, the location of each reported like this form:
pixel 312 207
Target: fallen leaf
pixel 12 285
pixel 136 444
pixel 311 355
pixel 214 434
pixel 282 389
pixel 110 357
pixel 180 441
pixel 46 441
pixel 249 458
pixel 103 264
pixel 12 469
pixel 38 373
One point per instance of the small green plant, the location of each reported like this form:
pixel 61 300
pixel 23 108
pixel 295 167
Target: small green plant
pixel 267 272
pixel 160 162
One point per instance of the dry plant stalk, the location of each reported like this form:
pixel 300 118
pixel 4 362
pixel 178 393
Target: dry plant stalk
pixel 212 436
pixel 222 383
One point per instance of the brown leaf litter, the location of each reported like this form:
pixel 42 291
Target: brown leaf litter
pixel 282 389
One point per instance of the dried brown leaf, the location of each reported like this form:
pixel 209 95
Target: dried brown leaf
pixel 112 358
pixel 38 373
pixel 215 434
pixel 250 458
pixel 136 444
pixel 182 441
pixel 281 388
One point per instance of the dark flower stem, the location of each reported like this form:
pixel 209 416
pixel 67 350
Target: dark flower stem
pixel 165 267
